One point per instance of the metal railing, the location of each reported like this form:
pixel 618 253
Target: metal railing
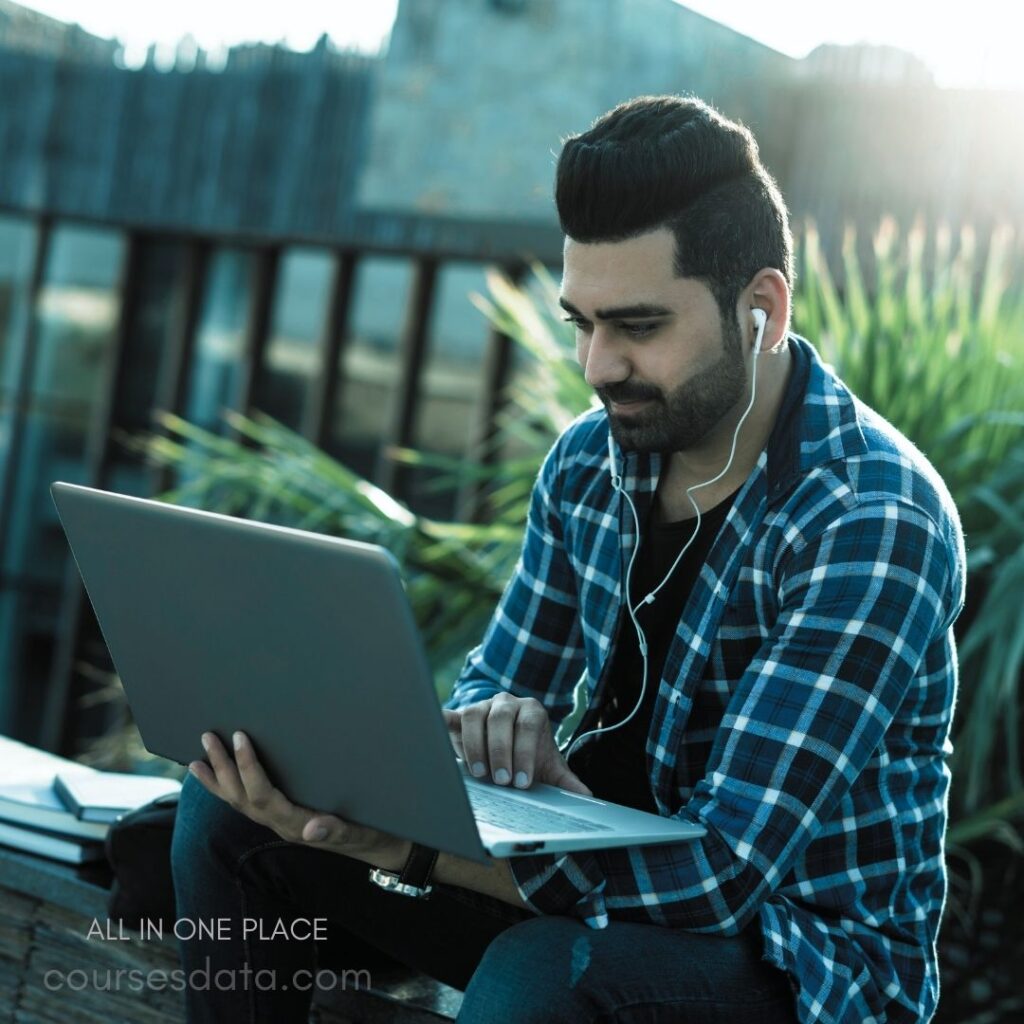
pixel 42 692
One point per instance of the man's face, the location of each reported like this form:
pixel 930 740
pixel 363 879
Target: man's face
pixel 652 345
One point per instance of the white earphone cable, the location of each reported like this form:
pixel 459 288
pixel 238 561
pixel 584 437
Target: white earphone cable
pixel 649 599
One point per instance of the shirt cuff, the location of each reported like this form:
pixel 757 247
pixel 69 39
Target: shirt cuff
pixel 567 884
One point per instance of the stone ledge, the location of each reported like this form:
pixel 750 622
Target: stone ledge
pixel 46 910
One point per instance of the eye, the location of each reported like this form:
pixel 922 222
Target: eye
pixel 638 330
pixel 578 322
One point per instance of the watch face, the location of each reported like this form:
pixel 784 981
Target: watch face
pixel 391 882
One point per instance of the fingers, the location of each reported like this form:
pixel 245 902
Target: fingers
pixel 487 728
pixel 202 771
pixel 474 737
pixel 225 781
pixel 453 719
pixel 503 736
pixel 242 783
pixel 501 725
pixel 263 796
pixel 565 778
pixel 531 730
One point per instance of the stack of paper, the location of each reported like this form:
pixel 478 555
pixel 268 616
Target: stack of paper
pixel 104 796
pixel 35 819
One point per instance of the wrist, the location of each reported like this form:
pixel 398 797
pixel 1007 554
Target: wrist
pixel 391 857
pixel 414 878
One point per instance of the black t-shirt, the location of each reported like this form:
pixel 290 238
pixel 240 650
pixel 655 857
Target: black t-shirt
pixel 614 764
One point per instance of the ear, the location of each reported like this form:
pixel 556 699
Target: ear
pixel 767 290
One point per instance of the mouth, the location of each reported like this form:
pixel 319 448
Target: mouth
pixel 630 407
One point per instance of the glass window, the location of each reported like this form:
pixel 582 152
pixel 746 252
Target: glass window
pixel 75 321
pixel 369 367
pixel 144 379
pixel 17 251
pixel 28 620
pixel 216 371
pixel 291 358
pixel 76 314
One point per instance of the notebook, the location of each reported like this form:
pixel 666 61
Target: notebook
pixel 308 644
pixel 105 796
pixel 29 802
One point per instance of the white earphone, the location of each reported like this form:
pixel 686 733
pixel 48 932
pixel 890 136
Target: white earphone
pixel 613 463
pixel 761 321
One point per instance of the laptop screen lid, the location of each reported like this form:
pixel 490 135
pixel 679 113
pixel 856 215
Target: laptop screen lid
pixel 308 644
pixel 305 642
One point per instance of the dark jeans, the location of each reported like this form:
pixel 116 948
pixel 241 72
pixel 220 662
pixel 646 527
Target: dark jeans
pixel 233 876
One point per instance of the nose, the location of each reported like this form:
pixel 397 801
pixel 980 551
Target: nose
pixel 603 358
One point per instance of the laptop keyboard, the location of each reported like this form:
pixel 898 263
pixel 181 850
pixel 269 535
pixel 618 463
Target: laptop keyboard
pixel 492 807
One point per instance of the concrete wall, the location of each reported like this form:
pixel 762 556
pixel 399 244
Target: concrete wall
pixel 475 95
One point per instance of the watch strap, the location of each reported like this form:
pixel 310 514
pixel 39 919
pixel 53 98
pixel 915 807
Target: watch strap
pixel 419 866
pixel 414 879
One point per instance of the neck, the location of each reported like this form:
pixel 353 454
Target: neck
pixel 686 469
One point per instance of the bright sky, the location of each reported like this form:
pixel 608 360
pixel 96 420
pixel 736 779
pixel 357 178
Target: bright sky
pixel 976 44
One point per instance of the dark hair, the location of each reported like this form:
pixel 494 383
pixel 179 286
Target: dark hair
pixel 676 162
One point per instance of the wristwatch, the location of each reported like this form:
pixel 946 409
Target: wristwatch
pixel 414 879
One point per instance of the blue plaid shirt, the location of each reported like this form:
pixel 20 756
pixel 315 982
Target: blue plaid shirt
pixel 804 708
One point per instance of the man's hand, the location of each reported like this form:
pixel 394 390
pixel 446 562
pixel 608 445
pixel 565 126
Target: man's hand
pixel 511 738
pixel 243 784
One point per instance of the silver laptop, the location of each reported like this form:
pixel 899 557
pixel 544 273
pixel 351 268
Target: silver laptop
pixel 308 644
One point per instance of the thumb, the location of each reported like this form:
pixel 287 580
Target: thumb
pixel 566 778
pixel 453 720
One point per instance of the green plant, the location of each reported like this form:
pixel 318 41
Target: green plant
pixel 936 344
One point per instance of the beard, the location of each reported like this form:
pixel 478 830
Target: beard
pixel 683 418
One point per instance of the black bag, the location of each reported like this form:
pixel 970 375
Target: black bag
pixel 138 847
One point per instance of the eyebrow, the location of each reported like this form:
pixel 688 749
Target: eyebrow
pixel 641 310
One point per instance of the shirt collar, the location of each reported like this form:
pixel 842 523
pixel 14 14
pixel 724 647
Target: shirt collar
pixel 784 441
pixel 816 423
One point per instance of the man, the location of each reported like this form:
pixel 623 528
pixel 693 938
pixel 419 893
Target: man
pixel 759 577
